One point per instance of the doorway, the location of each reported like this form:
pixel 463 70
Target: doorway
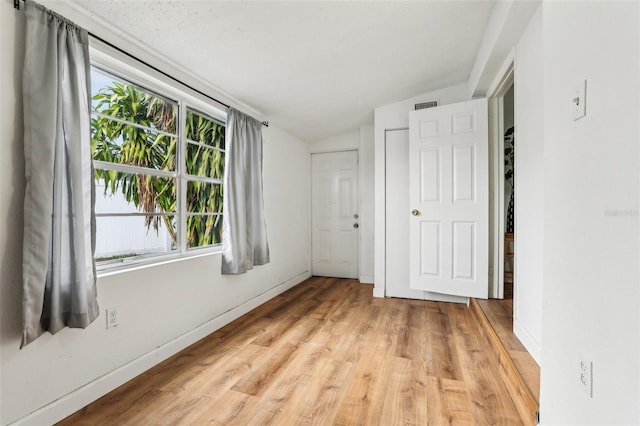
pixel 500 310
pixel 508 210
pixel 502 183
pixel 334 221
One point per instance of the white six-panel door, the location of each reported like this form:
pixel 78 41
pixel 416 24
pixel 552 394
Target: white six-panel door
pixel 334 219
pixel 448 193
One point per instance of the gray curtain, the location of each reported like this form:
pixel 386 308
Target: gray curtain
pixel 59 277
pixel 244 232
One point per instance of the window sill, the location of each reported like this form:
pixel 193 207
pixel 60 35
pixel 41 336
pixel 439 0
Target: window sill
pixel 111 270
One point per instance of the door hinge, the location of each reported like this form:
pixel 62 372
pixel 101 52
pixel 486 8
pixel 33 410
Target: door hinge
pixel 537 417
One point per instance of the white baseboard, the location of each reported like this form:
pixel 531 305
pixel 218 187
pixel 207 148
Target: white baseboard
pixel 527 340
pixel 378 292
pixel 72 402
pixel 366 279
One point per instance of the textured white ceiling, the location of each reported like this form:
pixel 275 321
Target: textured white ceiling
pixel 315 69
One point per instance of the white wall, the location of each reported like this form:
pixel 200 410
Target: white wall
pixel 367 174
pixel 162 308
pixel 514 34
pixel 591 222
pixel 505 27
pixel 529 193
pixel 388 117
pixel 343 142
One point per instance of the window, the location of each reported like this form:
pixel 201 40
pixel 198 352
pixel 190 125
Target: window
pixel 159 169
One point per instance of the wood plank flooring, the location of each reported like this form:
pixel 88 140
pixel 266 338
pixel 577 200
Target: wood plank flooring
pixel 323 353
pixel 519 370
pixel 500 316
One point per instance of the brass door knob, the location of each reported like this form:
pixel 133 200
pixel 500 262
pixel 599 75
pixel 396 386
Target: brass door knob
pixel 415 212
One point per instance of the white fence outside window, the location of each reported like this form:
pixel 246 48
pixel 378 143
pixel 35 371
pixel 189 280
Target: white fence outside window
pixel 125 235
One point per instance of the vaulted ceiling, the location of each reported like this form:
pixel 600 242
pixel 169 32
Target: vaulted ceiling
pixel 313 68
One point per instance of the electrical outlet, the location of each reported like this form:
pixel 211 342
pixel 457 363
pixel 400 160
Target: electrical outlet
pixel 586 376
pixel 113 317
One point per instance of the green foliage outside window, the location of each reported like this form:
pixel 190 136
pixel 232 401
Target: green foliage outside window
pixel 152 143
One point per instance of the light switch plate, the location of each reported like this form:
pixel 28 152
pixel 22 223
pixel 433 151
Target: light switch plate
pixel 580 100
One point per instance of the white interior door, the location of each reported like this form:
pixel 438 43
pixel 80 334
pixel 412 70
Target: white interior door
pixel 334 209
pixel 448 193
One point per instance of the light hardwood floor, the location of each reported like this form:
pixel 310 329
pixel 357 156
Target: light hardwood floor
pixel 499 313
pixel 323 353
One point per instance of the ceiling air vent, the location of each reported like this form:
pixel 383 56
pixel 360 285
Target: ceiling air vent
pixel 423 105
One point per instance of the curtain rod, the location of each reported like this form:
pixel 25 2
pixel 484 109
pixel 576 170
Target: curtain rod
pixel 16 5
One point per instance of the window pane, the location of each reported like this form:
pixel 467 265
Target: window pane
pixel 205 130
pixel 118 192
pixel 205 162
pixel 203 197
pixel 204 230
pixel 139 131
pixel 117 98
pixel 115 142
pixel 122 237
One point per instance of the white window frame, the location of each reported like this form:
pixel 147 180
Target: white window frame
pixel 121 66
